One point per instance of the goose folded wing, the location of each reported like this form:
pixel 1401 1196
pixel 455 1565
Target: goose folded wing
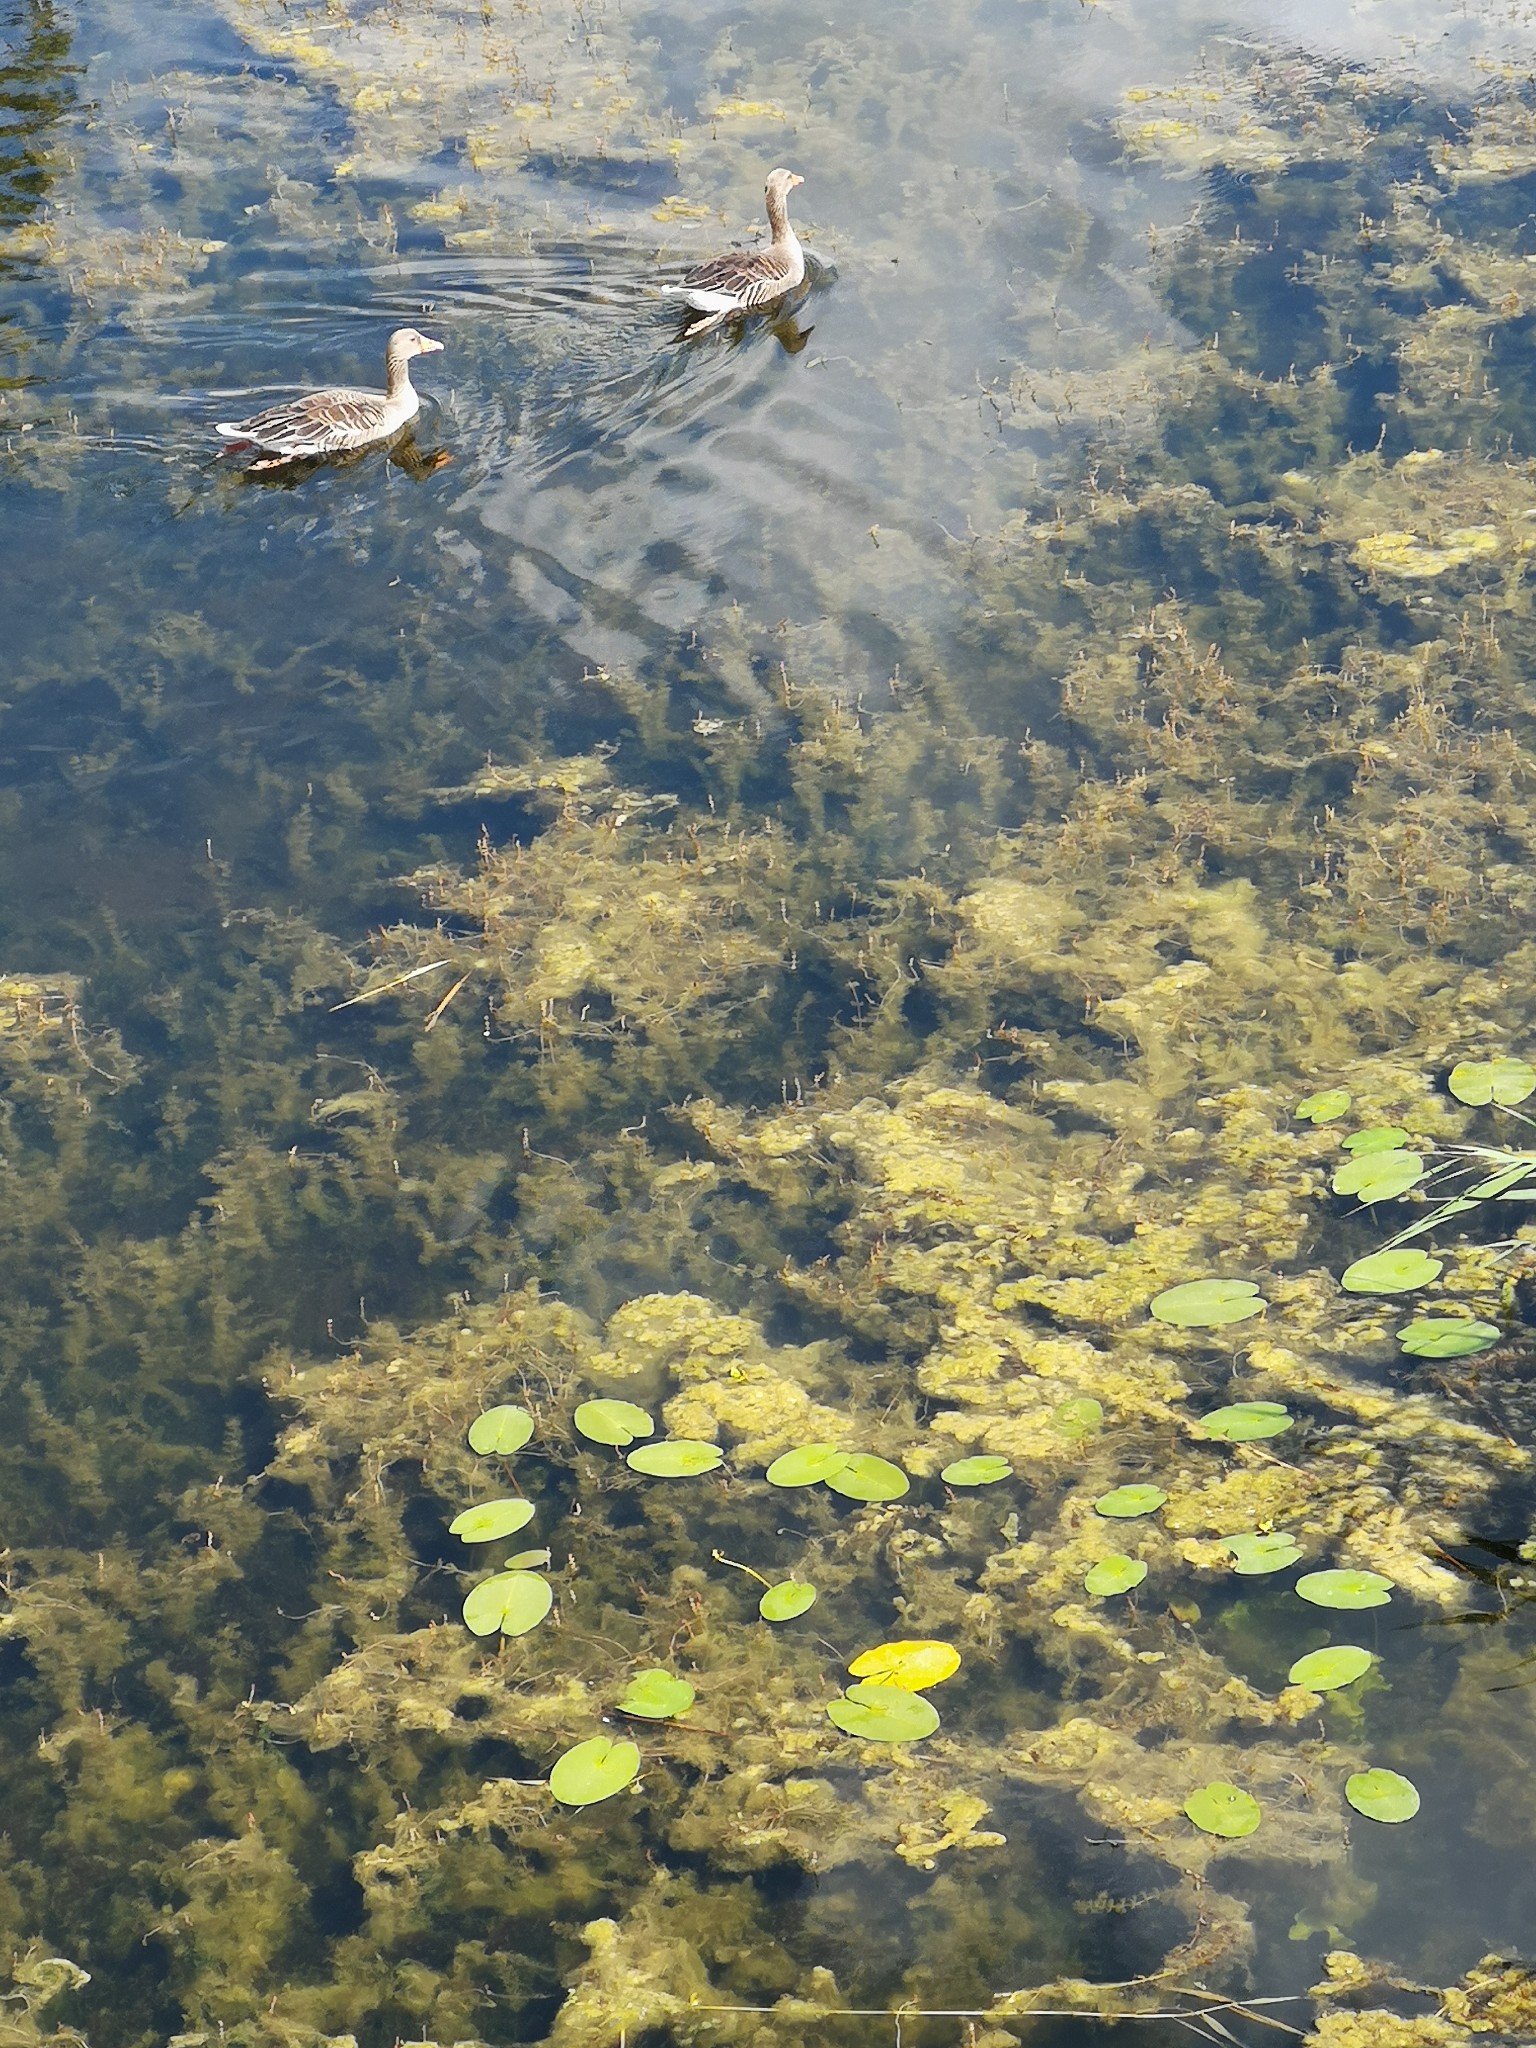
pixel 751 276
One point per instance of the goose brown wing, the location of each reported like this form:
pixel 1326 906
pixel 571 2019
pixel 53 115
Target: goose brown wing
pixel 320 423
pixel 753 275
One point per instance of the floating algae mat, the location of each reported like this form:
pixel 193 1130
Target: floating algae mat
pixel 766 1127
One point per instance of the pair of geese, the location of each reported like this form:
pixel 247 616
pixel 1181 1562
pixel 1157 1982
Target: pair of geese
pixel 340 421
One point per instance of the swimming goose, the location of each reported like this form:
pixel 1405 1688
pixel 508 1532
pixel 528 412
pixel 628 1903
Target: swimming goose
pixel 336 421
pixel 747 280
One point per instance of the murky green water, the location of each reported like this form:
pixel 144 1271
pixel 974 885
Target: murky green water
pixel 798 882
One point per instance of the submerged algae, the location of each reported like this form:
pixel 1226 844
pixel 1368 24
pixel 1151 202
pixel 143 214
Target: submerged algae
pixel 854 1114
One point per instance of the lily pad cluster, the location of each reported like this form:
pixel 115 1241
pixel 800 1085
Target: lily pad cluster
pixel 857 1475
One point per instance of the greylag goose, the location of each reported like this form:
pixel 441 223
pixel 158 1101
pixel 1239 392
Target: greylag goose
pixel 748 280
pixel 339 420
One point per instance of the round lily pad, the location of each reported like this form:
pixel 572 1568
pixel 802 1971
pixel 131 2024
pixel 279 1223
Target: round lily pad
pixel 500 1431
pixel 1223 1809
pixel 676 1457
pixel 1117 1574
pixel 512 1602
pixel 1504 1081
pixel 1325 1106
pixel 1326 1670
pixel 1254 1554
pixel 1382 1795
pixel 785 1600
pixel 1379 1176
pixel 1078 1417
pixel 593 1770
pixel 612 1422
pixel 492 1518
pixel 883 1713
pixel 526 1560
pixel 1345 1589
pixel 1377 1138
pixel 1125 1503
pixel 866 1477
pixel 1391 1272
pixel 655 1695
pixel 1447 1337
pixel 980 1471
pixel 807 1465
pixel 1205 1304
pixel 1246 1422
pixel 914 1666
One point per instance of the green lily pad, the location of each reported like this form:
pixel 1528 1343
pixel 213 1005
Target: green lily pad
pixel 1447 1337
pixel 492 1518
pixel 1246 1422
pixel 512 1602
pixel 980 1471
pixel 866 1477
pixel 1078 1417
pixel 1115 1574
pixel 1377 1138
pixel 1382 1795
pixel 1125 1503
pixel 1379 1176
pixel 593 1770
pixel 1326 1670
pixel 1206 1304
pixel 1254 1554
pixel 612 1422
pixel 883 1713
pixel 1223 1809
pixel 500 1431
pixel 785 1600
pixel 1325 1106
pixel 526 1560
pixel 1504 1081
pixel 1345 1589
pixel 655 1695
pixel 676 1457
pixel 807 1465
pixel 1392 1272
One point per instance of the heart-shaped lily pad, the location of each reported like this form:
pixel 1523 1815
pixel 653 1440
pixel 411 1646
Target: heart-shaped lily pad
pixel 1223 1809
pixel 883 1713
pixel 512 1602
pixel 1504 1081
pixel 1206 1304
pixel 1077 1418
pixel 1254 1554
pixel 1382 1795
pixel 1246 1422
pixel 612 1422
pixel 500 1431
pixel 866 1477
pixel 593 1770
pixel 785 1600
pixel 1377 1138
pixel 656 1695
pixel 807 1465
pixel 1326 1670
pixel 914 1666
pixel 1345 1589
pixel 1325 1106
pixel 1391 1272
pixel 1125 1503
pixel 1447 1337
pixel 984 1470
pixel 1117 1574
pixel 1379 1176
pixel 677 1457
pixel 491 1519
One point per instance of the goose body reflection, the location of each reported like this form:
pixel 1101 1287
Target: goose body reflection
pixel 747 280
pixel 338 421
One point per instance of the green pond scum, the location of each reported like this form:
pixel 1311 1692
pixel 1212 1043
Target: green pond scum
pixel 912 1101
